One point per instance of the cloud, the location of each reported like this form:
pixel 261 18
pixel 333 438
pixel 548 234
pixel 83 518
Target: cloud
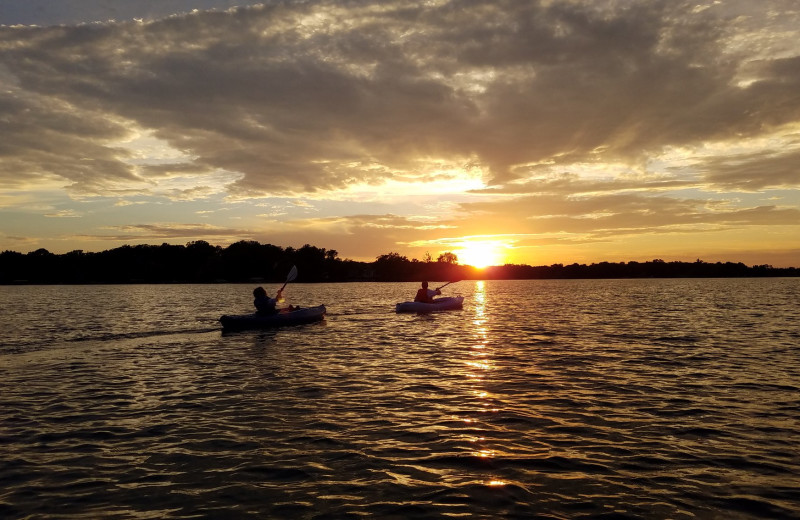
pixel 196 192
pixel 574 120
pixel 755 171
pixel 169 170
pixel 294 97
pixel 64 213
pixel 46 12
pixel 609 215
pixel 46 138
pixel 362 236
pixel 168 231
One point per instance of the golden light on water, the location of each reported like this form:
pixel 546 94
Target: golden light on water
pixel 479 363
pixel 481 331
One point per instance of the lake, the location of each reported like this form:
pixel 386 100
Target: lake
pixel 615 399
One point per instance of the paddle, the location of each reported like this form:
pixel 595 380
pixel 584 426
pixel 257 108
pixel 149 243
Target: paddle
pixel 448 283
pixel 291 276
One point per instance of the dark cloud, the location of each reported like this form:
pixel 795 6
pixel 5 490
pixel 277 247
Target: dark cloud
pixel 590 120
pixel 572 184
pixel 45 138
pixel 296 96
pixel 755 171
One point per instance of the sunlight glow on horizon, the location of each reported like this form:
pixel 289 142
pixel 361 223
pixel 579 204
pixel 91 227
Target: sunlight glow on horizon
pixel 481 253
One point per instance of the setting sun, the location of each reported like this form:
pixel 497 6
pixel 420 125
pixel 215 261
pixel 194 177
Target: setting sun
pixel 481 254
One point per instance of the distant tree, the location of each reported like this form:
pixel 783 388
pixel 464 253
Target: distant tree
pixel 202 248
pixel 12 267
pixel 447 258
pixel 43 265
pixel 312 262
pixel 248 260
pixel 391 257
pixel 202 261
pixel 392 267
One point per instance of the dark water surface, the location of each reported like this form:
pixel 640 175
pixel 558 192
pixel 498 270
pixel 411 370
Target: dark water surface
pixel 540 399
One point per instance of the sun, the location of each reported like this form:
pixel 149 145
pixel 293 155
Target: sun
pixel 480 254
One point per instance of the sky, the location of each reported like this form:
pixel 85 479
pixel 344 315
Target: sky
pixel 529 132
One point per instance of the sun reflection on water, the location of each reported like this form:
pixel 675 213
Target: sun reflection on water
pixel 479 302
pixel 479 367
pixel 479 364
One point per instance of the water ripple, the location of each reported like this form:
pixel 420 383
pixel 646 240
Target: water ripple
pixel 598 399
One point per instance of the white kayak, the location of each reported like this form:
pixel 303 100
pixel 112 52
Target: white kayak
pixel 281 319
pixel 440 304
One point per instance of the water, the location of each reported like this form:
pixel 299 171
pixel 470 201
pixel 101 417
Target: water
pixel 540 399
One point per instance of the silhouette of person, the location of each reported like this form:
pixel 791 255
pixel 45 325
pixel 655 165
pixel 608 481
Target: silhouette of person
pixel 426 295
pixel 263 303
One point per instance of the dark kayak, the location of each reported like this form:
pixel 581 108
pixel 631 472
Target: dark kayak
pixel 282 319
pixel 439 304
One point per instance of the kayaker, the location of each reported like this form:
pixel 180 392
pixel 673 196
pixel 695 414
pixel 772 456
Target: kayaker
pixel 426 295
pixel 264 304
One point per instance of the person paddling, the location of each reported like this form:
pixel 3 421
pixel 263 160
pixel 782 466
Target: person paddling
pixel 426 295
pixel 264 304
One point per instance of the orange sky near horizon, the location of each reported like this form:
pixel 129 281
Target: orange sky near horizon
pixel 502 131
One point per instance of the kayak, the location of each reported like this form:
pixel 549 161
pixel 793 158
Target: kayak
pixel 282 319
pixel 439 304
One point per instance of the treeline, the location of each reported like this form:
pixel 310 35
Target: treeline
pixel 652 269
pixel 250 261
pixel 201 262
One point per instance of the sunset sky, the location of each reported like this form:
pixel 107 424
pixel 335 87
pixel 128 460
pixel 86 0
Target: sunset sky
pixel 504 131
